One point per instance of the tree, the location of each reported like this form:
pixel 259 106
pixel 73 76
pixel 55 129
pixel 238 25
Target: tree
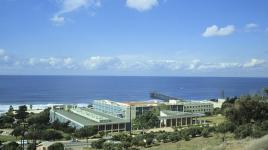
pixel 252 108
pixel 18 131
pixel 10 111
pixel 56 146
pixel 31 146
pixel 40 119
pixel 205 132
pixel 97 144
pixel 51 135
pixel 146 121
pixel 11 146
pixel 57 125
pixel 6 119
pixel 224 128
pixel 22 113
pixel 86 132
pixel 243 131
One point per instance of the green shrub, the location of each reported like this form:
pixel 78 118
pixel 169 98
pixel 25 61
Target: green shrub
pixel 112 146
pixel 149 141
pixel 56 146
pixel 98 144
pixel 174 137
pixel 243 131
pixel 31 146
pixel 11 146
pixel 161 136
pixel 67 137
pixel 205 132
pixel 257 131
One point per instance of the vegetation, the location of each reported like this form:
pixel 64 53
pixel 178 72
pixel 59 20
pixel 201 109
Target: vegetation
pixel 86 132
pixel 146 121
pixel 56 146
pixel 11 146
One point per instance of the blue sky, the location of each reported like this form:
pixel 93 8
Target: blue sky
pixel 134 37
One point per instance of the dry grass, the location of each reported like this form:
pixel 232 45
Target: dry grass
pixel 216 119
pixel 258 144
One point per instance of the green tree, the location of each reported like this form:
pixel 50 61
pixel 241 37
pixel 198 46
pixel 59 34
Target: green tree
pixel 86 132
pixel 243 131
pixel 40 118
pixel 22 113
pixel 56 146
pixel 146 121
pixel 50 135
pixel 18 131
pixel 98 144
pixel 205 132
pixel 31 146
pixel 247 109
pixel 11 146
pixel 224 128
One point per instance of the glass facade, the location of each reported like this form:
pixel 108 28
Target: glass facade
pixel 111 108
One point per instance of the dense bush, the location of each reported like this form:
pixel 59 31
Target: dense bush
pixel 51 135
pixel 40 119
pixel 56 146
pixel 205 132
pixel 243 131
pixel 11 146
pixel 62 126
pixel 31 146
pixel 112 146
pixel 162 136
pixel 174 137
pixel 98 144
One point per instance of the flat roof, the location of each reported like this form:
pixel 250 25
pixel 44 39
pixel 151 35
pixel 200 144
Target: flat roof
pixel 86 121
pixel 174 114
pixel 143 103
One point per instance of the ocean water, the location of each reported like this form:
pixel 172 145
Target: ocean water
pixel 42 91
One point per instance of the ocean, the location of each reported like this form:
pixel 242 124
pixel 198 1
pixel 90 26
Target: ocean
pixel 42 91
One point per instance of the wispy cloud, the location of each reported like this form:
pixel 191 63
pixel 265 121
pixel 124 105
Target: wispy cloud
pixel 100 63
pixel 214 30
pixel 251 27
pixel 67 6
pixel 141 5
pixel 254 63
pixel 120 64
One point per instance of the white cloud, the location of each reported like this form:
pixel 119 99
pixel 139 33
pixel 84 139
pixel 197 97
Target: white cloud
pixel 254 63
pixel 194 64
pixel 6 59
pixel 51 62
pixel 68 6
pixel 58 20
pixel 214 30
pixel 99 63
pixel 2 52
pixel 251 25
pixel 126 64
pixel 141 5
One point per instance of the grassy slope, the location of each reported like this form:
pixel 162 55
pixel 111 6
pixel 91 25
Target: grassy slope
pixel 200 143
pixel 216 119
pixel 7 138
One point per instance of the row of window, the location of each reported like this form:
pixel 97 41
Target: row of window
pixel 208 106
